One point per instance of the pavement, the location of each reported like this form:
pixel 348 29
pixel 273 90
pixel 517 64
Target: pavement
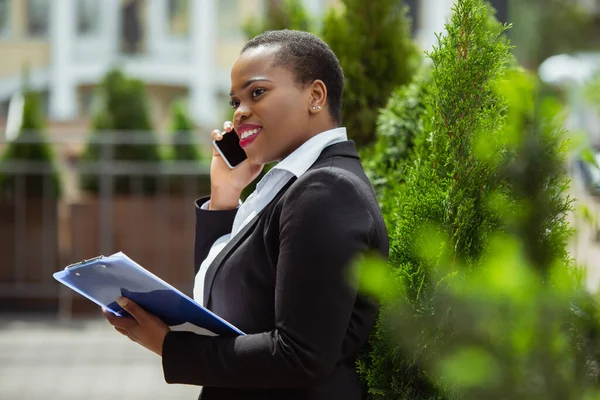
pixel 82 359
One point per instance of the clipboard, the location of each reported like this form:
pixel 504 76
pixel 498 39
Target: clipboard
pixel 103 279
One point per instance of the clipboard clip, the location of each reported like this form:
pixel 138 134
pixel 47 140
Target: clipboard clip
pixel 84 262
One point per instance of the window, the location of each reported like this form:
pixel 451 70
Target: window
pixel 179 17
pixel 88 21
pixel 133 26
pixel 4 16
pixel 38 12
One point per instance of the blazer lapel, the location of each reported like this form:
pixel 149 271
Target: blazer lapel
pixel 343 149
pixel 233 243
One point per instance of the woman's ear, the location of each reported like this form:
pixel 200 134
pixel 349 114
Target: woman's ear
pixel 318 96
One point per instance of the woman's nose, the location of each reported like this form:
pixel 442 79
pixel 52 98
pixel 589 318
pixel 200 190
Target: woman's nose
pixel 241 114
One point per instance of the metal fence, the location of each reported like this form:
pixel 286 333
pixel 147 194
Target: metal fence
pixel 143 208
pixel 107 204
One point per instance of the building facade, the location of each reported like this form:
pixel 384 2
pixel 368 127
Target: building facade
pixel 179 48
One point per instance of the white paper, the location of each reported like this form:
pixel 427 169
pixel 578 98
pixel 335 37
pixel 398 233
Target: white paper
pixel 187 326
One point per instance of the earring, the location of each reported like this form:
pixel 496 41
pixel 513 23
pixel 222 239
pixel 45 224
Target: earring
pixel 314 108
pixel 318 107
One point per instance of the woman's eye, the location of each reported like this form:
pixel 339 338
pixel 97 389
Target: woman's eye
pixel 257 92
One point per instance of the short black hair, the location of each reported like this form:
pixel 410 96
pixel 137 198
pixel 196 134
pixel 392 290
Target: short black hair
pixel 310 58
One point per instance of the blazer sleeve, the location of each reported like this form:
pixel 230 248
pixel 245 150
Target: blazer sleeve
pixel 210 225
pixel 324 223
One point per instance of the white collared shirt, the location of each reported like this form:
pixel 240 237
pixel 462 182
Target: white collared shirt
pixel 294 165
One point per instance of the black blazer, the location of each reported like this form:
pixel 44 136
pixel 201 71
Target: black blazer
pixel 284 281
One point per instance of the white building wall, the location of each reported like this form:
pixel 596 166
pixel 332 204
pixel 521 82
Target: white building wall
pixel 202 77
pixel 169 60
pixel 433 15
pixel 63 104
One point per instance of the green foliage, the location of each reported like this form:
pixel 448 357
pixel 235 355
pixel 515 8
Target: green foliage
pixel 286 14
pixel 185 153
pixel 30 147
pixel 520 325
pixel 481 300
pixel 538 182
pixel 592 92
pixel 445 190
pixel 182 127
pixel 122 134
pixel 468 62
pixel 399 125
pixel 373 43
pixel 124 104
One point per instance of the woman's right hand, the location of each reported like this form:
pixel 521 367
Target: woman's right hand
pixel 227 184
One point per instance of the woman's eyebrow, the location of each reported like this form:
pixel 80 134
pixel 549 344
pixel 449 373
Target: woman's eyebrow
pixel 251 81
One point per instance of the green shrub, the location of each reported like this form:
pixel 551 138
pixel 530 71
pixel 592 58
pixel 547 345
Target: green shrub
pixel 288 14
pixel 123 118
pixel 30 146
pixel 182 128
pixel 373 42
pixel 186 153
pixel 444 186
pixel 520 324
pixel 399 125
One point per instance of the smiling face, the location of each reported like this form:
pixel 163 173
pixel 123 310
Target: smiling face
pixel 273 114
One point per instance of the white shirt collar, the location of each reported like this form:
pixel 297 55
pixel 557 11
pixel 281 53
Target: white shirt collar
pixel 301 159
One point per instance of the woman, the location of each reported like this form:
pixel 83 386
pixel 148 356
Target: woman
pixel 277 266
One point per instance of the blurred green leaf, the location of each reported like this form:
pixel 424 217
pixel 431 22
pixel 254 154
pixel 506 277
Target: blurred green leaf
pixel 374 277
pixel 470 367
pixel 587 155
pixel 430 242
pixel 587 214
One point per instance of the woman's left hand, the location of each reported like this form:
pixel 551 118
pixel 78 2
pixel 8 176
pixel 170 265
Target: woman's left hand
pixel 144 328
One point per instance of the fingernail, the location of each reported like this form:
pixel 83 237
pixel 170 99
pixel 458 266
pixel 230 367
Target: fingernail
pixel 122 301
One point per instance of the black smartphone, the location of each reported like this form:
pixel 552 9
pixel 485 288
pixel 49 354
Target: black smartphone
pixel 229 148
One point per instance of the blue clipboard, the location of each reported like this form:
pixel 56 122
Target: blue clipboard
pixel 103 279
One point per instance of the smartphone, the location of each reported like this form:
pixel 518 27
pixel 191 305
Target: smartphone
pixel 229 148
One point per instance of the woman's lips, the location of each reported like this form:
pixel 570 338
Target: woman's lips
pixel 249 135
